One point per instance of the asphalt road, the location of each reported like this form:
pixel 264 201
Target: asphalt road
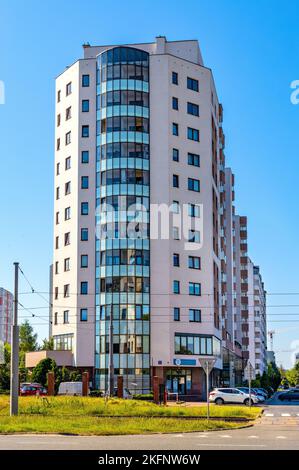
pixel 277 429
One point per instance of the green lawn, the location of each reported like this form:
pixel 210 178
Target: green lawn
pixel 81 425
pixel 76 415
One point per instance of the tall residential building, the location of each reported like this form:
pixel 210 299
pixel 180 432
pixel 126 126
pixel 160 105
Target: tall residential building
pixel 138 124
pixel 6 313
pixel 260 323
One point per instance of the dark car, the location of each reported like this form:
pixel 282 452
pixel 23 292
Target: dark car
pixel 289 395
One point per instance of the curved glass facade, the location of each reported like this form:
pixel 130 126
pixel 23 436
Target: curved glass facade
pixel 123 256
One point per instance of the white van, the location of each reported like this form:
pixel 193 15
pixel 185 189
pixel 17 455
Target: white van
pixel 70 388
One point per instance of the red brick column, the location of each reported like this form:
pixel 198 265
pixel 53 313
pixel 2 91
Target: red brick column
pixel 85 384
pixel 51 384
pixel 120 386
pixel 156 389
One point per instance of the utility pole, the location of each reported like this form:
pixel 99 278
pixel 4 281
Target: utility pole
pixel 111 363
pixel 14 361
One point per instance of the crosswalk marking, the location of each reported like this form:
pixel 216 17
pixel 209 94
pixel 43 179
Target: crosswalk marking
pixel 285 414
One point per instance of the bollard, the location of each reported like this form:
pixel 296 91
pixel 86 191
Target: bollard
pixel 120 386
pixel 51 384
pixel 156 389
pixel 85 384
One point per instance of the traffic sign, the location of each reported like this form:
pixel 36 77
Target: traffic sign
pixel 207 363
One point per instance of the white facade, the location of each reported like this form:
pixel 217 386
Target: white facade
pixel 182 115
pixel 6 314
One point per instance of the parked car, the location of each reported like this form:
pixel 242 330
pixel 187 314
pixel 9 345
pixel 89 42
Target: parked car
pixel 231 395
pixel 290 395
pixel 261 392
pixel 261 398
pixel 70 388
pixel 32 390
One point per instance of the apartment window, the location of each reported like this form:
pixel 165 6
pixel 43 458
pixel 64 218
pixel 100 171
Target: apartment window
pixel 193 109
pixel 58 144
pixel 68 163
pixel 57 169
pixel 84 261
pixel 176 287
pixel 194 262
pixel 175 181
pixel 85 106
pixel 193 134
pixel 56 243
pixel 194 315
pixel 67 188
pixel 85 131
pixel 175 78
pixel 193 159
pixel 175 129
pixel 68 113
pixel 66 290
pixel 84 234
pixel 175 207
pixel 66 314
pixel 84 182
pixel 192 84
pixel 68 136
pixel 67 213
pixel 56 293
pixel 58 120
pixel 193 210
pixel 194 288
pixel 85 156
pixel 193 185
pixel 67 238
pixel 57 193
pixel 67 264
pixel 57 218
pixel 56 267
pixel 84 288
pixel 175 103
pixel 56 318
pixel 69 88
pixel 85 80
pixel 83 314
pixel 175 155
pixel 58 96
pixel 176 314
pixel 84 208
pixel 176 233
pixel 176 260
pixel 194 236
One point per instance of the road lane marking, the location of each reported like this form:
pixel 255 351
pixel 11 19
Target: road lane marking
pixel 232 445
pixel 280 437
pixel 285 414
pixel 179 435
pixel 226 436
pixel 269 414
pixel 203 435
pixel 253 437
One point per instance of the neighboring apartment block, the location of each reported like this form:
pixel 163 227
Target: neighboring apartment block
pixel 139 126
pixel 6 312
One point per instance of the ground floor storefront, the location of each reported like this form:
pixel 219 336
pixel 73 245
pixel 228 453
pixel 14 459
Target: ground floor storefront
pixel 186 383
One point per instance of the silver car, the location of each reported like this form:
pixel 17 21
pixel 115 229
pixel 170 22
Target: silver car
pixel 219 396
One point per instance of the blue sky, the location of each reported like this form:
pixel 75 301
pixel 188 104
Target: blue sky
pixel 253 49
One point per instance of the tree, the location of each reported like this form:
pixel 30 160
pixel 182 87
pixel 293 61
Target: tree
pixel 5 369
pixel 48 344
pixel 292 375
pixel 40 371
pixel 28 339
